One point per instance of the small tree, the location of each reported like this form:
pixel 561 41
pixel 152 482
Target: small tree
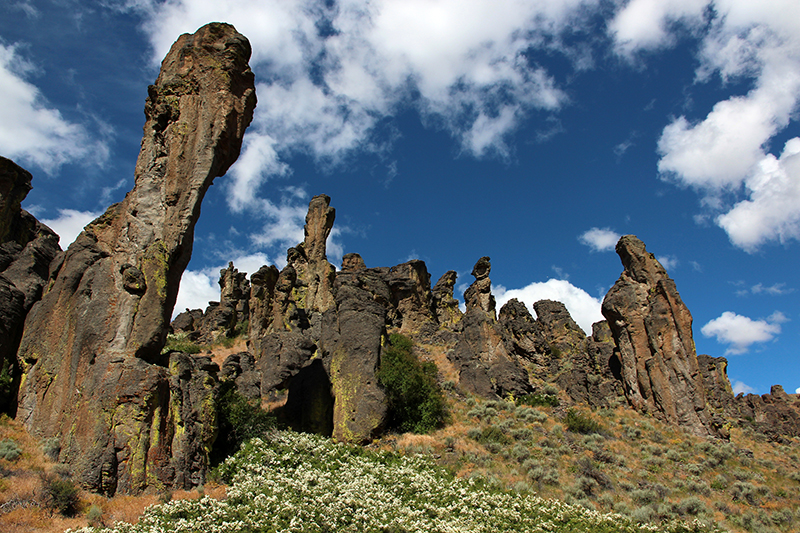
pixel 416 402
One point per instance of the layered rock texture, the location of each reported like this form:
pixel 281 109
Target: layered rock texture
pixel 27 247
pixel 93 372
pixel 652 329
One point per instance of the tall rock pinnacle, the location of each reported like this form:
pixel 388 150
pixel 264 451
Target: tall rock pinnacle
pixel 91 350
pixel 652 329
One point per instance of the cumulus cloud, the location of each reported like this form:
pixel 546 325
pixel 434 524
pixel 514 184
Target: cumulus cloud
pixel 196 290
pixel 584 308
pixel 772 210
pixel 333 72
pixel 600 239
pixel 726 153
pixel 32 131
pixel 741 332
pixel 69 224
pixel 742 388
pixel 645 24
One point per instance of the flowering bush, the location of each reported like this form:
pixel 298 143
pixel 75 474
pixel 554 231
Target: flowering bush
pixel 290 482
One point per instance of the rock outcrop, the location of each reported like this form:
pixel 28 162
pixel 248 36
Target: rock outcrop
pixel 484 365
pixel 94 374
pixel 27 247
pixel 652 329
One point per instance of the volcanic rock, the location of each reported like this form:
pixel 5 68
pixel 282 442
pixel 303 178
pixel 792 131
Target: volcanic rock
pixel 444 304
pixel 652 329
pixel 27 247
pixel 91 351
pixel 483 363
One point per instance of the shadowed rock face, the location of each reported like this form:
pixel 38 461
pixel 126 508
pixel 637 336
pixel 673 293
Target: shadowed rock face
pixel 26 249
pixel 91 352
pixel 652 329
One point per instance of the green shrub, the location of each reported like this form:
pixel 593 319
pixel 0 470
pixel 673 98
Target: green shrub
pixel 493 434
pixel 94 515
pixel 51 447
pixel 239 420
pixel 549 400
pixel 60 495
pixel 179 342
pixel 416 402
pixel 578 423
pixel 9 450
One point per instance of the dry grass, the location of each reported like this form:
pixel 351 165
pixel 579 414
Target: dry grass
pixel 647 468
pixel 21 508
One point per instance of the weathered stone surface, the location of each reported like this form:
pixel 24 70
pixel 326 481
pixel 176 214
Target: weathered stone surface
pixel 354 342
pixel 188 321
pixel 479 294
pixel 92 346
pixel 412 302
pixel 241 369
pixel 352 262
pixel 652 329
pixel 483 363
pixel 27 247
pixel 776 414
pixel 313 291
pixel 444 304
pixel 558 352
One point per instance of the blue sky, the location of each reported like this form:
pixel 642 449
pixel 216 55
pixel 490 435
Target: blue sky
pixel 534 132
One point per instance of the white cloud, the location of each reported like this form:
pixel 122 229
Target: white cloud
pixel 69 224
pixel 729 147
pixel 329 75
pixel 772 211
pixel 33 132
pixel 645 24
pixel 585 309
pixel 600 239
pixel 669 262
pixel 740 332
pixel 742 388
pixel 196 290
pixel 774 290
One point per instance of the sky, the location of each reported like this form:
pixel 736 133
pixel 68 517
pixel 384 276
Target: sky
pixel 535 132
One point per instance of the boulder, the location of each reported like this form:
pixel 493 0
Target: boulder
pixel 652 329
pixel 94 374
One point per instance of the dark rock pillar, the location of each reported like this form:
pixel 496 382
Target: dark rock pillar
pixel 107 312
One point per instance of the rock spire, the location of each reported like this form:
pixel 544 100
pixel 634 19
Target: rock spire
pixel 94 375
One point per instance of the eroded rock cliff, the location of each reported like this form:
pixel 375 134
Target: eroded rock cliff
pixel 94 375
pixel 652 329
pixel 27 247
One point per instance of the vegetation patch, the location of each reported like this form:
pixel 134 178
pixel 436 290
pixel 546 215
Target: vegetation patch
pixel 416 402
pixel 304 483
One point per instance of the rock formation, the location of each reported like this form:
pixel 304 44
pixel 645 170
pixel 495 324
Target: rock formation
pixel 27 247
pixel 94 375
pixel 482 361
pixel 652 329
